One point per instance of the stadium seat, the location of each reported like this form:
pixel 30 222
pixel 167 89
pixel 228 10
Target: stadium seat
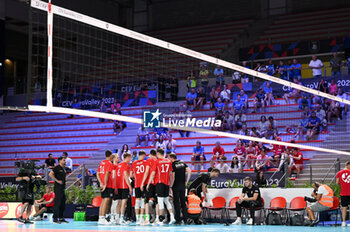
pixel 278 204
pixel 335 209
pixel 96 202
pixel 297 204
pixel 219 203
pixel 231 207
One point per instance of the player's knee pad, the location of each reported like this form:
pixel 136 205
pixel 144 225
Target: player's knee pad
pixel 167 203
pixel 137 203
pixel 142 203
pixel 161 203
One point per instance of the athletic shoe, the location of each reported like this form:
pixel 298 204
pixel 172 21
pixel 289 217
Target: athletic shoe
pixel 31 217
pixel 56 221
pixel 238 221
pixel 178 223
pixel 250 221
pixel 38 218
pixel 172 222
pixel 62 220
pixel 123 223
pixel 138 222
pixel 26 221
pixel 314 223
pixel 20 219
pixel 103 222
pixel 157 222
pixel 343 224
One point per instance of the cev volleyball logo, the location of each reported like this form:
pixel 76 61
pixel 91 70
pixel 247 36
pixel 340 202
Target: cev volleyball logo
pixel 346 178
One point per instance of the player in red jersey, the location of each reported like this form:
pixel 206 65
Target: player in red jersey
pixel 150 193
pixel 124 187
pixel 138 169
pixel 343 179
pixel 162 173
pixel 104 176
pixel 116 161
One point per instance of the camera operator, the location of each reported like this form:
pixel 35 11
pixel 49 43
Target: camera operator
pixel 26 177
pixel 58 174
pixel 323 200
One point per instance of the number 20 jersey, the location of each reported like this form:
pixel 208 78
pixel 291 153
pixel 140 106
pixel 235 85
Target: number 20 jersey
pixel 138 167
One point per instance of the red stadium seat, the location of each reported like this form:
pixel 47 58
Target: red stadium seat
pixel 231 207
pixel 219 203
pixel 297 204
pixel 278 204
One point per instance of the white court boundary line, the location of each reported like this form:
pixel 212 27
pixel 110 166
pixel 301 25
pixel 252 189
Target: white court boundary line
pixel 193 129
pixel 169 46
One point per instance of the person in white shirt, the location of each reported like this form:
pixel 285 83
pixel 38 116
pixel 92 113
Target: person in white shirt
pixel 222 166
pixel 343 107
pixel 225 95
pixel 316 65
pixel 235 165
pixel 69 162
pixel 142 135
pixel 161 143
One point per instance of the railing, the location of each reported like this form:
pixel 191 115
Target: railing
pixel 81 168
pixel 336 165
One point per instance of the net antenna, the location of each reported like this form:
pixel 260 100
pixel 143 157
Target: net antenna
pixel 75 16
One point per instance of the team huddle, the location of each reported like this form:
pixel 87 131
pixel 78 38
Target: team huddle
pixel 153 183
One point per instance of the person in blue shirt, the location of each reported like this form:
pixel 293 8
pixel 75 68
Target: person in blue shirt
pixel 198 154
pixel 245 77
pixel 313 126
pixel 219 105
pixel 76 105
pixel 219 74
pixel 191 98
pixel 237 105
pixel 290 73
pixel 259 101
pixel 305 99
pixel 244 98
pixel 269 99
pixel 282 70
pixel 296 69
pixel 271 68
pixel 88 172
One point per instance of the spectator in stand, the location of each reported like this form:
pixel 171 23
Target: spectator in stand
pixel 305 100
pixel 214 95
pixel 333 88
pixel 296 69
pixel 115 107
pixel 118 126
pixel 174 88
pixel 316 66
pixel 204 77
pixel 260 67
pixel 290 70
pixel 212 165
pixel 198 155
pixel 282 71
pixel 302 127
pixel 236 166
pixel 251 154
pixel 342 179
pixel 219 117
pixel 87 172
pixel 125 149
pixel 263 127
pixel 313 126
pixel 245 77
pixel 225 95
pixel 323 86
pixel 307 111
pixel 50 162
pixel 342 107
pixel 271 68
pixel 228 122
pixel 244 98
pixel 201 98
pixel 191 81
pixel 134 157
pixel 236 77
pixel 103 109
pixel 222 165
pixel 278 150
pixel 191 98
pixel 142 135
pixel 171 144
pixel 237 105
pixel 260 181
pixel 336 63
pixel 240 120
pixel 321 114
pixel 262 161
pixel 219 106
pixel 296 161
pixel 254 132
pixel 268 94
pixel 161 143
pixel 272 131
pixel 76 105
pixel 259 101
pixel 69 162
pixel 295 93
pixel 244 131
pixel 240 151
pixel 219 74
pixel 160 131
pixel 333 111
pixel 218 152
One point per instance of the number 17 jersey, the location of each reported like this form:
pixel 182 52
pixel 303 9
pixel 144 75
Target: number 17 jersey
pixel 138 167
pixel 163 168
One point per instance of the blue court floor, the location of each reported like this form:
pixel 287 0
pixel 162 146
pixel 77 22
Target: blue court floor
pixel 42 226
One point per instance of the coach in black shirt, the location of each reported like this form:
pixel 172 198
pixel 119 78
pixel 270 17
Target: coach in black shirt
pixel 180 169
pixel 58 174
pixel 201 182
pixel 250 198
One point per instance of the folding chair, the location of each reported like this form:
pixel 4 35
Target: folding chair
pixel 219 204
pixel 231 207
pixel 297 204
pixel 278 204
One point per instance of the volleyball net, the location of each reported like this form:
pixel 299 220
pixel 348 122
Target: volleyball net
pixel 82 64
